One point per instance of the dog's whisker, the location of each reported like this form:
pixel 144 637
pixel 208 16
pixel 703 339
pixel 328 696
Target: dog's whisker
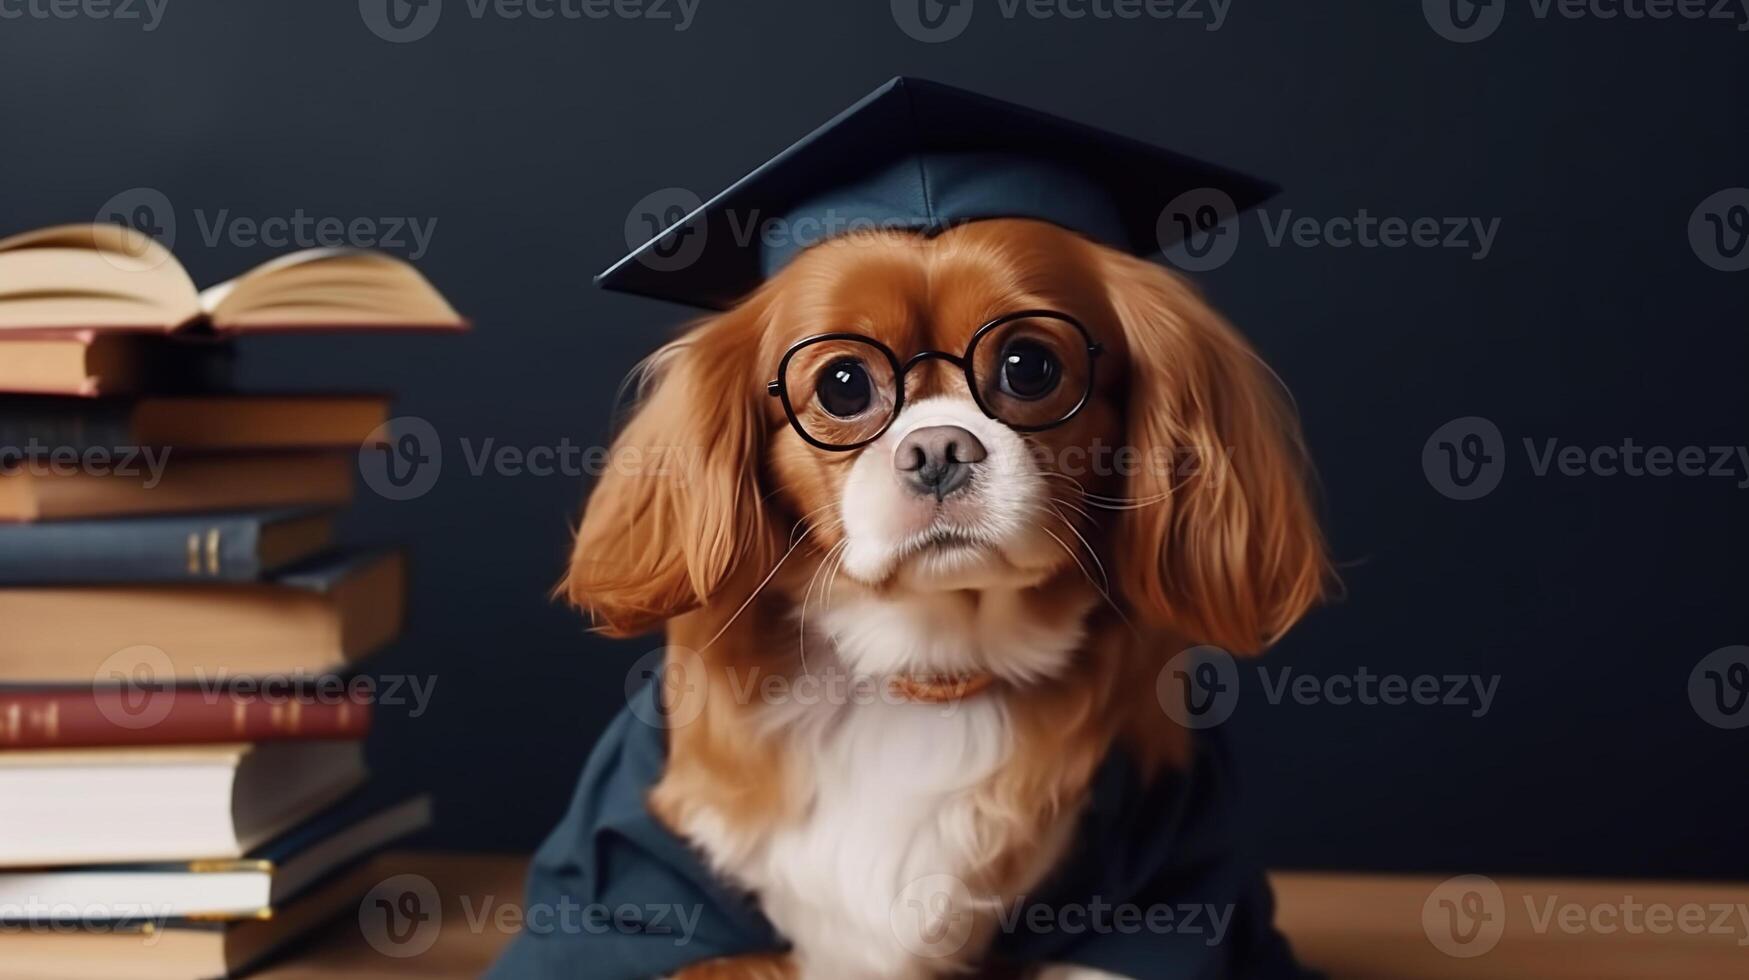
pixel 802 619
pixel 805 520
pixel 815 579
pixel 1109 503
pixel 802 616
pixel 780 488
pixel 1103 594
pixel 1130 504
pixel 1054 475
pixel 832 576
pixel 755 593
pixel 1123 503
pixel 1072 506
pixel 1091 554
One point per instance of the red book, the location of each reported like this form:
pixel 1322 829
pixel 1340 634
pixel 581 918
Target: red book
pixel 93 717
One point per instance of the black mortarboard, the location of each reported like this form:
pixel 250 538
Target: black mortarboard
pixel 923 156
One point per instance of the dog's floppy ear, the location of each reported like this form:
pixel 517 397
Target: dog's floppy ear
pixel 1219 542
pixel 677 511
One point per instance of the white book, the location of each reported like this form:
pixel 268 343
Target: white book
pixel 249 888
pixel 186 803
pixel 184 949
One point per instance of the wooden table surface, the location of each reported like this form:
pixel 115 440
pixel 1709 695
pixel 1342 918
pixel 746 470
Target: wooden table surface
pixel 1354 927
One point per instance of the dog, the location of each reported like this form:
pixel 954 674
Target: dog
pixel 931 514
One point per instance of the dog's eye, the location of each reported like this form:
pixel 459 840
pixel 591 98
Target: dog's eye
pixel 844 388
pixel 1029 370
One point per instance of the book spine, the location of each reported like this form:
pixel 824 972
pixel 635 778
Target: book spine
pixel 94 718
pixel 130 551
pixel 41 427
pixel 180 365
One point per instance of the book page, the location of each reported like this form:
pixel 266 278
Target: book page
pixel 94 277
pixel 329 288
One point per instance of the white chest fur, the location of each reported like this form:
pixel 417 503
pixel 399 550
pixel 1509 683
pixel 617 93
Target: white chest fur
pixel 893 811
pixel 893 818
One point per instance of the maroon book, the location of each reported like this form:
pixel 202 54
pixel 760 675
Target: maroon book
pixel 102 717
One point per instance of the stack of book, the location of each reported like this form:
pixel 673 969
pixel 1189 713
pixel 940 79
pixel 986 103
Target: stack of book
pixel 182 784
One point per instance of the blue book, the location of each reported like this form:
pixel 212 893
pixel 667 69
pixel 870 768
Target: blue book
pixel 226 547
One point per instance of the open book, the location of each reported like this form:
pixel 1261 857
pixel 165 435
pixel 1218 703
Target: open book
pixel 105 277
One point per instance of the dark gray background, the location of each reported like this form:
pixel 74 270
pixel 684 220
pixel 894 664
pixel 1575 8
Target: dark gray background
pixel 1592 141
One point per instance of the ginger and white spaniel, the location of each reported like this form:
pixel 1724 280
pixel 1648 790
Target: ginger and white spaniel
pixel 932 514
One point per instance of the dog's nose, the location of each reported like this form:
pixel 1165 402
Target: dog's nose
pixel 938 458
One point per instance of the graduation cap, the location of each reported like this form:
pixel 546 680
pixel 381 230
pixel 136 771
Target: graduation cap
pixel 924 157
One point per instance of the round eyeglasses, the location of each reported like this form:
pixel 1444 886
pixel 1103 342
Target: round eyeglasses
pixel 1031 371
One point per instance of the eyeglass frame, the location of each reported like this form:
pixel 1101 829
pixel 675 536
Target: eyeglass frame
pixel 776 387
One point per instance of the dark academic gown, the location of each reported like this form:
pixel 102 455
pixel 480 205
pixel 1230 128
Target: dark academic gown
pixel 1170 844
